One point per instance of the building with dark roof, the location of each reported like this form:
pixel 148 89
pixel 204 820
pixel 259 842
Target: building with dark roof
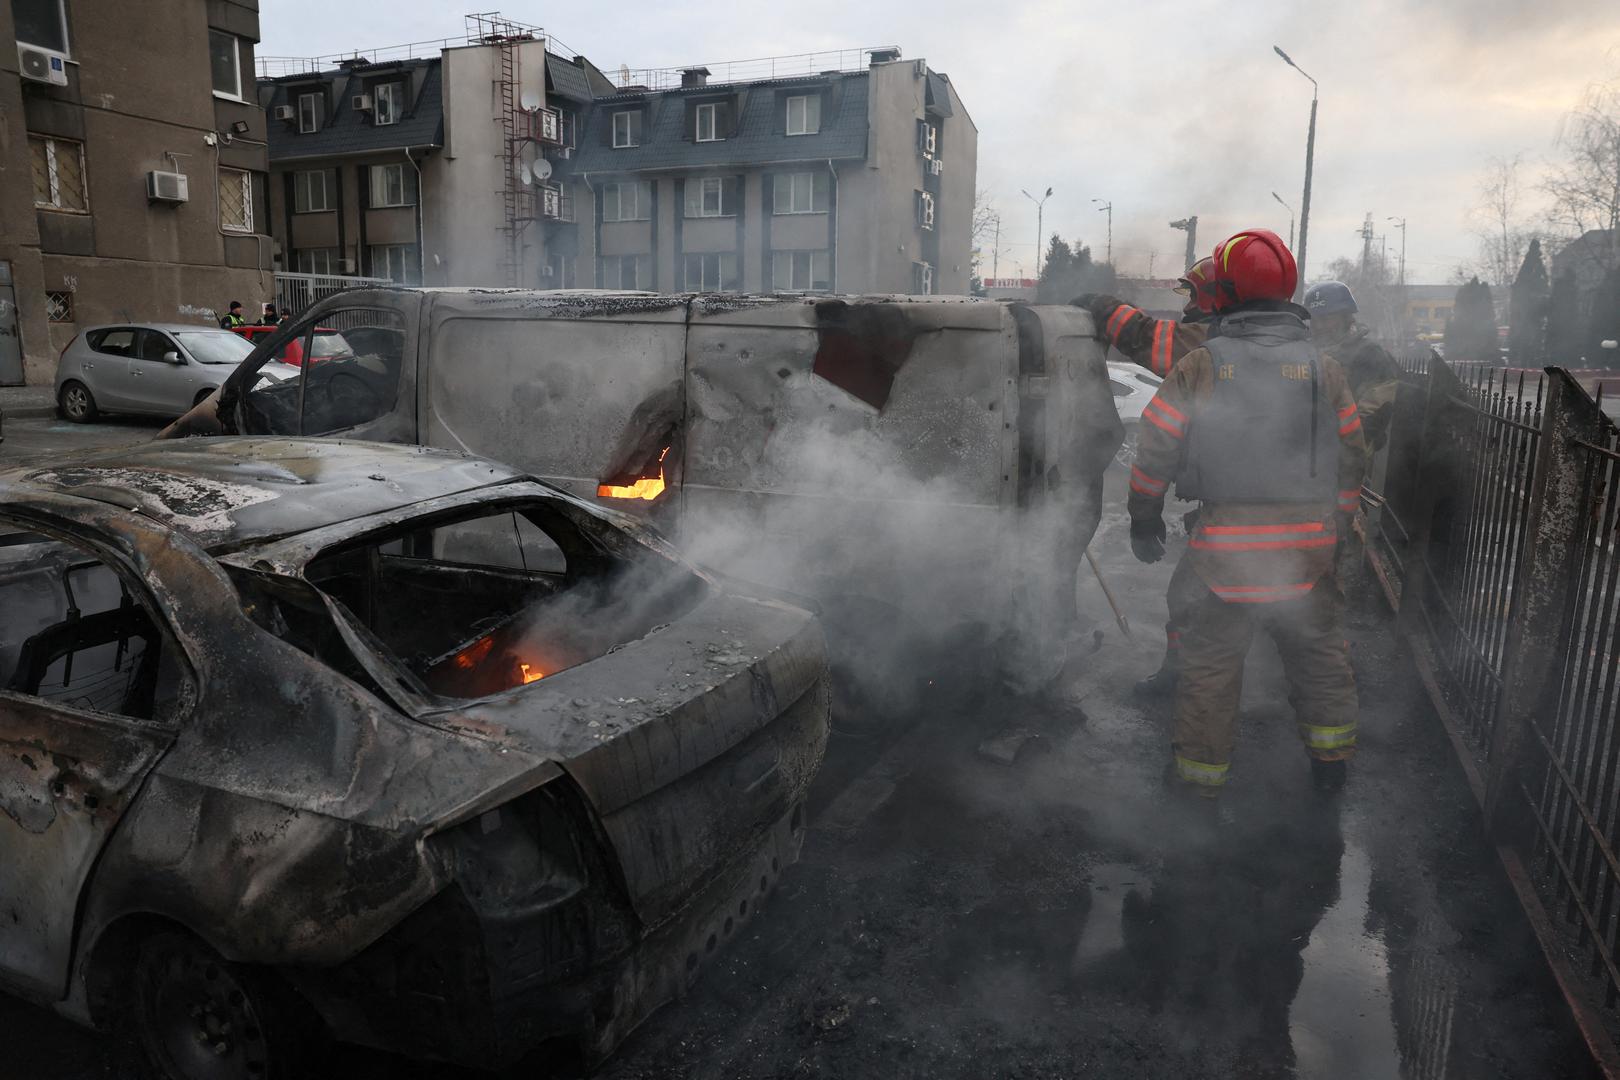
pixel 855 179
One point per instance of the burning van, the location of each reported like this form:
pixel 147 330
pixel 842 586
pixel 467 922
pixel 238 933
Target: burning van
pixel 304 735
pixel 925 462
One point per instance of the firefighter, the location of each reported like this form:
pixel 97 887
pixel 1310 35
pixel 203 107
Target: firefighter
pixel 1157 344
pixel 1264 431
pixel 1373 374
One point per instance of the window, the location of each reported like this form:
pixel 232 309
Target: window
pixel 564 269
pixel 119 341
pixel 314 191
pixel 925 210
pixel 1420 313
pixel 310 110
pixel 319 261
pixel 235 200
pixel 800 193
pixel 711 196
pixel 396 262
pixel 225 57
pixel 627 129
pixel 78 637
pixel 156 345
pixel 352 377
pixel 1119 389
pixel 800 271
pixel 630 200
pixel 387 102
pixel 41 23
pixel 711 273
pixel 804 115
pixel 922 278
pixel 58 169
pixel 708 123
pixel 59 307
pixel 626 271
pixel 393 185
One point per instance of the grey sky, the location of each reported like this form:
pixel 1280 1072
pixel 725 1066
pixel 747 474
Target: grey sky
pixel 1167 109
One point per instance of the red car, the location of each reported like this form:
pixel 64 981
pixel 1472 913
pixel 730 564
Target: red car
pixel 329 344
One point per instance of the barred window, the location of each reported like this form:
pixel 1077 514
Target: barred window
pixel 236 200
pixel 59 307
pixel 58 168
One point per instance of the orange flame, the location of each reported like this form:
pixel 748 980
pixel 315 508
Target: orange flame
pixel 648 487
pixel 529 674
pixel 474 654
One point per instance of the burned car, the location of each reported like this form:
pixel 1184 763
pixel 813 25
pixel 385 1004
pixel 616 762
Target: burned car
pixel 387 742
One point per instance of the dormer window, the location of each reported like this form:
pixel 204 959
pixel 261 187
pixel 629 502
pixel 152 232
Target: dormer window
pixel 310 110
pixel 804 114
pixel 626 129
pixel 387 103
pixel 708 123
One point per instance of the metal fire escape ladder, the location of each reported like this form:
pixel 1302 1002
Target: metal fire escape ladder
pixel 512 188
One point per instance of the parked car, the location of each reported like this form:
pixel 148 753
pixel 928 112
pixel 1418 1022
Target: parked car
pixel 249 795
pixel 1133 387
pixel 155 369
pixel 326 344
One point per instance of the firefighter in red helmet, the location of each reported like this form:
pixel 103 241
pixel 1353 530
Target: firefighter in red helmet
pixel 1263 430
pixel 1157 344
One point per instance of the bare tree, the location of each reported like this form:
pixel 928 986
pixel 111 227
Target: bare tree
pixel 1502 235
pixel 984 216
pixel 1585 185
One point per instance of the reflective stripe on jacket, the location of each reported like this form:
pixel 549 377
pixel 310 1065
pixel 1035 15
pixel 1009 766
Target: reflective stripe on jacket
pixel 1155 344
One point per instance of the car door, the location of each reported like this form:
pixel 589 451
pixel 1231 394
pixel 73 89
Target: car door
pixel 160 385
pixel 90 692
pixel 107 371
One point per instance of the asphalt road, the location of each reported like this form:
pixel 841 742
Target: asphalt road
pixel 35 439
pixel 1054 915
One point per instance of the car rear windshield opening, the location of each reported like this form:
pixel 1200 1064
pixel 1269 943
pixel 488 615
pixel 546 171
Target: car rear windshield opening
pixel 477 605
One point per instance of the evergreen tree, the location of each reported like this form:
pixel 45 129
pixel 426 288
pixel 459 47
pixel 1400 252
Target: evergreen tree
pixel 1563 340
pixel 1604 325
pixel 1069 272
pixel 1527 310
pixel 1471 333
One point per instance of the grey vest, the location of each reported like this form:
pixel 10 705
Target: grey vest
pixel 1268 433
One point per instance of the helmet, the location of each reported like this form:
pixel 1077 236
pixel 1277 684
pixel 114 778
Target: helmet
pixel 1254 265
pixel 1330 298
pixel 1198 284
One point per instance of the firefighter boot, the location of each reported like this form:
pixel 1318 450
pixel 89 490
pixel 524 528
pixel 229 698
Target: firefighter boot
pixel 1329 776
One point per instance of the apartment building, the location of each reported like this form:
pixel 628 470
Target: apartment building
pixel 501 162
pixel 132 183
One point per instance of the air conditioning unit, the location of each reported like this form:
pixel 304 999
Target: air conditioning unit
pixel 167 187
pixel 284 112
pixel 41 65
pixel 936 167
pixel 548 271
pixel 360 103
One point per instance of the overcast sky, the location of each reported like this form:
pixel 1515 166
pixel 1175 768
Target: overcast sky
pixel 1167 109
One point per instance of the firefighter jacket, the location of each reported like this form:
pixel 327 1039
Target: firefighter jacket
pixel 1155 344
pixel 1374 378
pixel 1265 431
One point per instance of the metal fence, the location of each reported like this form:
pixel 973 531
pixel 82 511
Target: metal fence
pixel 295 292
pixel 1497 537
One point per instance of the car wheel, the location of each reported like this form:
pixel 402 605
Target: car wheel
pixel 77 403
pixel 1126 454
pixel 198 1016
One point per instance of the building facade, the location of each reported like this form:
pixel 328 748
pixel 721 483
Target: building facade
pixel 133 170
pixel 499 163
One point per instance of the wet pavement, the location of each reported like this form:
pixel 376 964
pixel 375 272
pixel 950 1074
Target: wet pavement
pixel 1058 916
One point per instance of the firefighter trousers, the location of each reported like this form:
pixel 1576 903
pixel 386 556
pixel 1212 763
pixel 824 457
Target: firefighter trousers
pixel 1309 633
pixel 1186 589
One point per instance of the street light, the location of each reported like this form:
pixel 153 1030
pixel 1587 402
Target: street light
pixel 1109 207
pixel 1400 223
pixel 1189 225
pixel 1040 210
pixel 1290 210
pixel 1310 157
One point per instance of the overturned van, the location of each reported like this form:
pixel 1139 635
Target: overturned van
pixel 920 464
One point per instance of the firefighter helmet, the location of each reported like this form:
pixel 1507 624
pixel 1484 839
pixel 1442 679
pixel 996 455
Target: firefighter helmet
pixel 1330 298
pixel 1198 284
pixel 1254 265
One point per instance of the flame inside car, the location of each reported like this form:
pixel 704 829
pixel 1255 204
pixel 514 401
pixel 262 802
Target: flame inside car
pixel 646 487
pixel 530 673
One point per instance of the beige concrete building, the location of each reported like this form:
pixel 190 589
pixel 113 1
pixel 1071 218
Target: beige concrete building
pixel 498 162
pixel 132 170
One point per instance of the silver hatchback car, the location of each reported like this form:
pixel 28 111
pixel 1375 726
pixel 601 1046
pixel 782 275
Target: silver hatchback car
pixel 158 369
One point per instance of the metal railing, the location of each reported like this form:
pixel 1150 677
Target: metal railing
pixel 762 68
pixel 295 292
pixel 1498 540
pixel 482 28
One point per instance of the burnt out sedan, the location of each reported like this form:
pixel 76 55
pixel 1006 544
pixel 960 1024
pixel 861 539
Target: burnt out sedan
pixel 304 739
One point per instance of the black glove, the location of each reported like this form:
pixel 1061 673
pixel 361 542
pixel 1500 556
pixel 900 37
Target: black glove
pixel 1147 539
pixel 1101 307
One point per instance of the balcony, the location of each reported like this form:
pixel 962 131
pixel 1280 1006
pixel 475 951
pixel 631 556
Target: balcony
pixel 556 204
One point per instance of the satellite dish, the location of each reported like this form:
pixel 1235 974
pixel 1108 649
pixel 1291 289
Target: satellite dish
pixel 530 100
pixel 542 169
pixel 525 173
pixel 624 74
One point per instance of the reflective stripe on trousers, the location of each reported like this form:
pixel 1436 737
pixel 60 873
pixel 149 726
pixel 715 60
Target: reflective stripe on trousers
pixel 1328 738
pixel 1201 773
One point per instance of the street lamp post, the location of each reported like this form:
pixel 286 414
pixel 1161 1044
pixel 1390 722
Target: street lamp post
pixel 1109 207
pixel 1290 210
pixel 1040 210
pixel 995 252
pixel 1189 225
pixel 1310 157
pixel 1400 223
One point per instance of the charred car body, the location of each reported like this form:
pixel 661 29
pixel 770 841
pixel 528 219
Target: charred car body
pixel 917 453
pixel 457 761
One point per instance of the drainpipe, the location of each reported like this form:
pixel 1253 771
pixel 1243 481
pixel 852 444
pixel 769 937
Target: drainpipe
pixel 596 237
pixel 832 230
pixel 421 232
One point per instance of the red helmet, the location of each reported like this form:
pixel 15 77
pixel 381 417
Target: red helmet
pixel 1198 284
pixel 1254 265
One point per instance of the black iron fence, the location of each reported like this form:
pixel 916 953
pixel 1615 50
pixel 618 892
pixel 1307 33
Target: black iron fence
pixel 1497 537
